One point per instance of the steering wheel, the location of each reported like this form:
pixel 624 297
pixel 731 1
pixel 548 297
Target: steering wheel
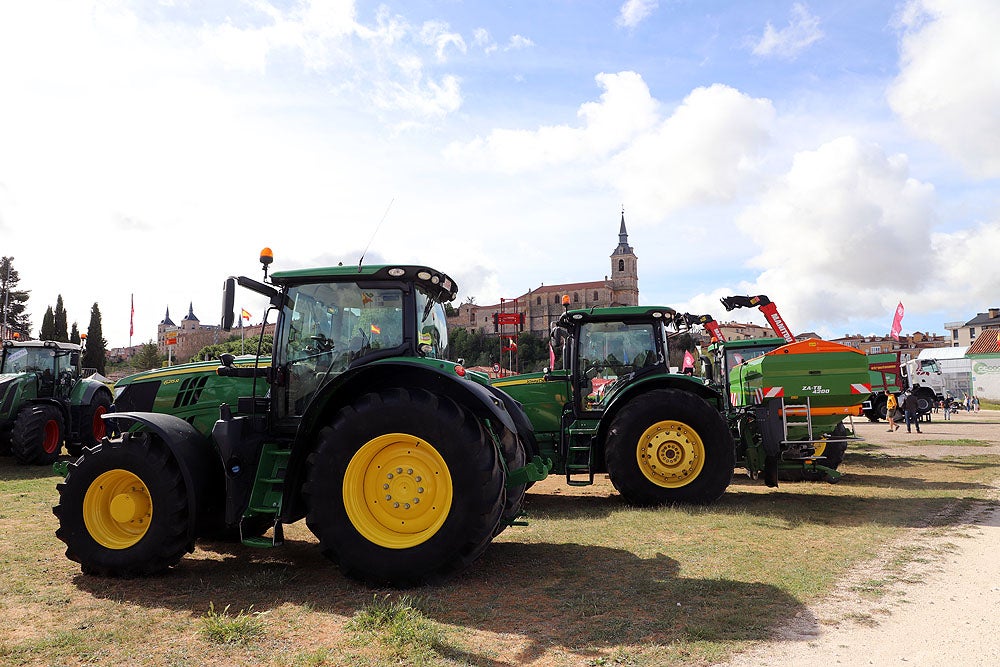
pixel 323 344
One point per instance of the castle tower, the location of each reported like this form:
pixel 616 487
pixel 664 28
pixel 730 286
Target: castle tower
pixel 624 270
pixel 190 321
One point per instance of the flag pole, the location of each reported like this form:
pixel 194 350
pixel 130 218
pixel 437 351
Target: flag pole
pixel 242 344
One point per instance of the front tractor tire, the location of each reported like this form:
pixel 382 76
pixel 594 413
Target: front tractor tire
pixel 668 446
pixel 123 508
pixel 93 428
pixel 38 434
pixel 405 488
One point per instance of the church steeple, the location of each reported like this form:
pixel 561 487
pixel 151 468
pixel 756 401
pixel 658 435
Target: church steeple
pixel 624 270
pixel 166 319
pixel 623 247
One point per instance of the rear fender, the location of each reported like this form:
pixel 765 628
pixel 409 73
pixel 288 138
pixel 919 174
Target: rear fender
pixel 200 465
pixel 478 399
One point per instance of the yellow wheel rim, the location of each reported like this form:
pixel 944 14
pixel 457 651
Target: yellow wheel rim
pixel 670 454
pixel 397 491
pixel 117 509
pixel 819 449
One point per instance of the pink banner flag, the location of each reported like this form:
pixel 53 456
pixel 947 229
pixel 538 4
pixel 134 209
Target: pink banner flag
pixel 688 360
pixel 552 358
pixel 897 322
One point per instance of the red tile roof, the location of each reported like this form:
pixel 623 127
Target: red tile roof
pixel 986 342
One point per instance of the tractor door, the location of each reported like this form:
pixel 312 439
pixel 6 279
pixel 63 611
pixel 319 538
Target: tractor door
pixel 610 353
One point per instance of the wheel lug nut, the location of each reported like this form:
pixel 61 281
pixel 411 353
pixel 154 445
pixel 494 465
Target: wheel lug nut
pixel 409 471
pixel 395 505
pixel 388 497
pixel 416 500
pixel 420 489
pixel 418 478
pixel 389 476
pixel 385 486
pixel 399 471
pixel 406 506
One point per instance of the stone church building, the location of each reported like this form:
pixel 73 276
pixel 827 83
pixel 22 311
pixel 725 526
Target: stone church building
pixel 542 306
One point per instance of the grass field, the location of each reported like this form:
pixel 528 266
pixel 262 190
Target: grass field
pixel 588 582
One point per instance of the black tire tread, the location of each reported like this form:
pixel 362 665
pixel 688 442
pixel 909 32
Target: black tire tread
pixel 29 429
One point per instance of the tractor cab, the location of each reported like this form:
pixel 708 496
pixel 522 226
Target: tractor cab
pixel 55 365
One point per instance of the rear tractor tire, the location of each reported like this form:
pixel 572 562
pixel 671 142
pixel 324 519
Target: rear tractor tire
pixel 404 488
pixel 669 446
pixel 123 509
pixel 38 433
pixel 93 429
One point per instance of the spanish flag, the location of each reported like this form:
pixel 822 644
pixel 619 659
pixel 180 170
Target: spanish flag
pixel 245 315
pixel 375 329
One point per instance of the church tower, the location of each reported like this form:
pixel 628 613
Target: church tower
pixel 624 270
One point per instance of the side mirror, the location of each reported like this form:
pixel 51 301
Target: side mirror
pixel 228 304
pixel 74 359
pixel 226 359
pixel 706 364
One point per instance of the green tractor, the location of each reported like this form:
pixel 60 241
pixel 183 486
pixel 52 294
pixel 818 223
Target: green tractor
pixel 616 408
pixel 45 402
pixel 788 402
pixel 403 465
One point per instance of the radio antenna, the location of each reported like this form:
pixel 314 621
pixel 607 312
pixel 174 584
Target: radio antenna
pixel 377 227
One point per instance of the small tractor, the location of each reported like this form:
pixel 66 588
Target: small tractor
pixel 788 402
pixel 403 465
pixel 616 408
pixel 44 401
pixel 787 398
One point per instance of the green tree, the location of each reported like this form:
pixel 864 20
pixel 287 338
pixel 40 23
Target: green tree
pixel 147 358
pixel 97 347
pixel 74 334
pixel 48 330
pixel 13 302
pixel 61 334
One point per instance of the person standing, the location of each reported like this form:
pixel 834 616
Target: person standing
pixel 947 407
pixel 891 406
pixel 910 411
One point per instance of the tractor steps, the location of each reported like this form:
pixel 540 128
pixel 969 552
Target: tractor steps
pixel 266 497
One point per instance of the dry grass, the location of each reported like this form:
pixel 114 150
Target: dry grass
pixel 588 582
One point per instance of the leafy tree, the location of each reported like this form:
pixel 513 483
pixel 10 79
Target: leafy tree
pixel 13 302
pixel 97 347
pixel 148 357
pixel 233 345
pixel 74 334
pixel 60 334
pixel 48 330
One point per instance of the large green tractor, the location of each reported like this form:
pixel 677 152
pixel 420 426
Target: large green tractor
pixel 403 465
pixel 616 408
pixel 45 403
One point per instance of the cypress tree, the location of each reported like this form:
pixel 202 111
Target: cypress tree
pixel 74 334
pixel 48 330
pixel 61 334
pixel 94 357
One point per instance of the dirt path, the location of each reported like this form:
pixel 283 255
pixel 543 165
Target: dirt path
pixel 945 610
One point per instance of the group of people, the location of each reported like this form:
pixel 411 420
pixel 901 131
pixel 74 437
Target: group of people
pixel 908 410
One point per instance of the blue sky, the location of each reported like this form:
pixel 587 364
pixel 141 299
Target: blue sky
pixel 838 157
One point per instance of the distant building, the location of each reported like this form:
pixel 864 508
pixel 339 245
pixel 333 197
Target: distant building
pixel 963 334
pixel 984 354
pixel 191 335
pixel 542 306
pixel 908 345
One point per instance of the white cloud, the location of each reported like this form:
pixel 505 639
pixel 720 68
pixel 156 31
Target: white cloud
pixel 844 234
pixel 625 108
pixel 439 35
pixel 948 89
pixel 802 31
pixel 704 153
pixel 634 12
pixel 518 42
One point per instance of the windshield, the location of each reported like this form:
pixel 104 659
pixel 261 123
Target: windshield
pixel 432 337
pixel 22 359
pixel 327 326
pixel 736 357
pixel 608 350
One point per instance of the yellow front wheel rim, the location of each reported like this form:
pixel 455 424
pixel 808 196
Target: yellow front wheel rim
pixel 117 509
pixel 671 454
pixel 397 491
